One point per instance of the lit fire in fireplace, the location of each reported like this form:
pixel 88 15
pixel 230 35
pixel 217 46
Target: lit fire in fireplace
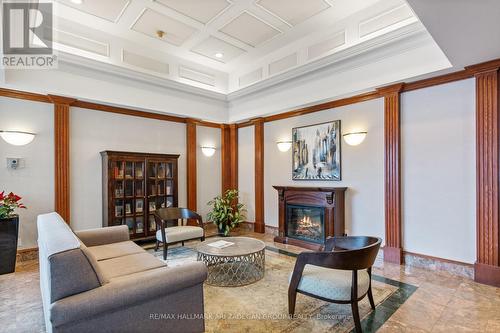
pixel 306 227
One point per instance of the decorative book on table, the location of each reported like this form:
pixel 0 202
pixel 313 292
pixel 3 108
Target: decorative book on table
pixel 221 244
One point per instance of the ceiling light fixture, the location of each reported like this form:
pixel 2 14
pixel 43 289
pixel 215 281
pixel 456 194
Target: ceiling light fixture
pixel 284 146
pixel 354 138
pixel 219 55
pixel 17 138
pixel 160 33
pixel 208 151
pixel 77 2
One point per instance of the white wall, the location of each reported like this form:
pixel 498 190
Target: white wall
pixel 34 182
pixel 438 171
pixel 209 178
pixel 246 170
pixel 362 166
pixel 92 132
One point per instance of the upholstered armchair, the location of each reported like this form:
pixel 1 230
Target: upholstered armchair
pixel 171 227
pixel 339 274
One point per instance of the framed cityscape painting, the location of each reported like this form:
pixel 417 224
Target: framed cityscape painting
pixel 316 152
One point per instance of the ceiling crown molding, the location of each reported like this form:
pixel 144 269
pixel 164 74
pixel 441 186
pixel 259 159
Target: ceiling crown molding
pixel 353 57
pixel 72 62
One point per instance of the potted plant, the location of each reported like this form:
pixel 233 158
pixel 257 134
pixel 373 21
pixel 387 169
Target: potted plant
pixel 9 231
pixel 226 213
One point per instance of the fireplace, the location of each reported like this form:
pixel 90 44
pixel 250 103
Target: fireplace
pixel 308 215
pixel 305 223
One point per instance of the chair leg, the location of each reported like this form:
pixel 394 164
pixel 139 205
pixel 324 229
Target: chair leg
pixel 182 243
pixel 165 249
pixel 157 246
pixel 355 316
pixel 292 297
pixel 202 239
pixel 370 298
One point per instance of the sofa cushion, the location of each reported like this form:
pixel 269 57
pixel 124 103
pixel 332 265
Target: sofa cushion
pixel 130 264
pixel 332 284
pixel 180 233
pixel 70 273
pixel 115 250
pixel 93 262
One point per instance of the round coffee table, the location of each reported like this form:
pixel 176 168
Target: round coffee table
pixel 237 265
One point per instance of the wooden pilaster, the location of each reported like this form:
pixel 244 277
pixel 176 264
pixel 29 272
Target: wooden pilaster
pixel 487 265
pixel 393 250
pixel 259 225
pixel 61 155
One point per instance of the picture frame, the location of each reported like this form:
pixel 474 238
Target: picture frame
pixel 316 152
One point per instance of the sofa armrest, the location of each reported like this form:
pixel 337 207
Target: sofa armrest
pixel 127 291
pixel 101 236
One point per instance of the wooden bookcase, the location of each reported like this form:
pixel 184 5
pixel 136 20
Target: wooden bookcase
pixel 134 185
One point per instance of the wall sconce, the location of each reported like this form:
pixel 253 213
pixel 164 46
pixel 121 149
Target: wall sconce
pixel 17 138
pixel 354 138
pixel 284 145
pixel 208 151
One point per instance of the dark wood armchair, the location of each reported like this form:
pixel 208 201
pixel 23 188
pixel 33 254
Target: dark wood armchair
pixel 339 274
pixel 171 227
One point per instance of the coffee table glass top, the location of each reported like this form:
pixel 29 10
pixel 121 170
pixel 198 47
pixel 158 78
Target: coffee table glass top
pixel 242 246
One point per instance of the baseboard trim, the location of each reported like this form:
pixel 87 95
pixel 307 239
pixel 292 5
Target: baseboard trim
pixel 267 228
pixel 449 261
pixel 27 254
pixel 439 264
pixel 487 274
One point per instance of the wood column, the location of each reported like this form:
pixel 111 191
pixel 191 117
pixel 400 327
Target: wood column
pixel 393 250
pixel 61 155
pixel 259 225
pixel 487 265
pixel 229 157
pixel 191 150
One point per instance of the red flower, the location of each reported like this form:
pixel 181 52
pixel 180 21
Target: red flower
pixel 2 195
pixel 14 197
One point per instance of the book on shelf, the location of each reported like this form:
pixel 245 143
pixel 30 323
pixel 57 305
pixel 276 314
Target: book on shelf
pixel 118 172
pixel 138 172
pixel 138 206
pixel 118 211
pixel 128 209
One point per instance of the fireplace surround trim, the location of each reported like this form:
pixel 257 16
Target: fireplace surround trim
pixel 332 199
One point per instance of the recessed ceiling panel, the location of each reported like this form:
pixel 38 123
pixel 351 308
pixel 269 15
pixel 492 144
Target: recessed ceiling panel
pixel 319 49
pixel 145 62
pixel 110 10
pixel 81 42
pixel 294 12
pixel 283 64
pixel 203 11
pixel 385 20
pixel 197 76
pixel 250 78
pixel 152 23
pixel 217 49
pixel 249 29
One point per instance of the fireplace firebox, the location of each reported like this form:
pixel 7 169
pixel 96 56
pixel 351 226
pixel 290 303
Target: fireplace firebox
pixel 308 215
pixel 306 223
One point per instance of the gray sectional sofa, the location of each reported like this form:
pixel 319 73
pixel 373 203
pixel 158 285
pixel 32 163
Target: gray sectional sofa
pixel 99 281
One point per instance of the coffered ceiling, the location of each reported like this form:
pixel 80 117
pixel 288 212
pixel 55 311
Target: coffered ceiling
pixel 227 46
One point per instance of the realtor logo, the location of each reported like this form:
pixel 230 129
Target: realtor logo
pixel 27 35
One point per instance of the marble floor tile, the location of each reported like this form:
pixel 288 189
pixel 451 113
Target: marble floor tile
pixel 442 302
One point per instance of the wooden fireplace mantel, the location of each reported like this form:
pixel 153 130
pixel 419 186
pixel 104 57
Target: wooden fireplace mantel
pixel 331 198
